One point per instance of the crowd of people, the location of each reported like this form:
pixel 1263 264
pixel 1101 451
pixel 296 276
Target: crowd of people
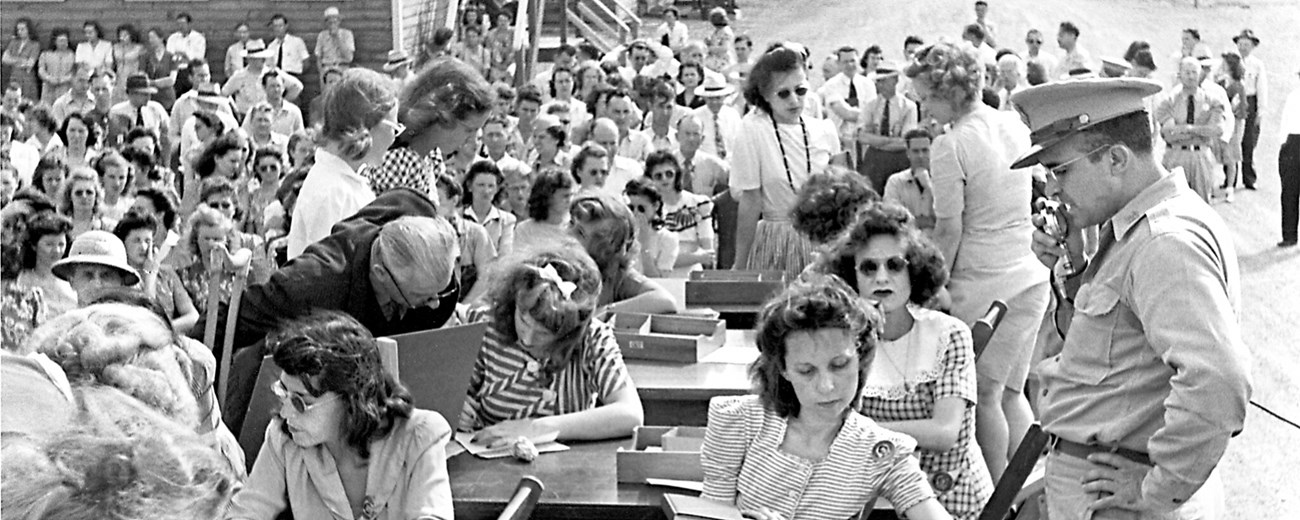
pixel 901 198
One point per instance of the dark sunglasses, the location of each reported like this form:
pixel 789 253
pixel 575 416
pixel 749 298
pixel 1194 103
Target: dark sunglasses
pixel 221 205
pixel 296 401
pixel 871 266
pixel 801 91
pixel 267 167
pixel 83 193
pixel 1034 42
pixel 641 208
pixel 663 176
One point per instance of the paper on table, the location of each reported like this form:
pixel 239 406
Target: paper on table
pixel 733 354
pixel 693 485
pixel 544 443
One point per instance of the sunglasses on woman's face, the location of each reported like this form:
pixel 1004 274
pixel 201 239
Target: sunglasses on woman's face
pixel 801 91
pixel 871 266
pixel 221 204
pixel 296 401
pixel 664 175
pixel 641 208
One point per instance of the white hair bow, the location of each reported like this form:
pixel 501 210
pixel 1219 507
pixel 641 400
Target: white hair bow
pixel 550 274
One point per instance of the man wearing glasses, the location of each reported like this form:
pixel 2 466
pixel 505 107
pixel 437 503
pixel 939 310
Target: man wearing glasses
pixel 1034 41
pixel 1151 380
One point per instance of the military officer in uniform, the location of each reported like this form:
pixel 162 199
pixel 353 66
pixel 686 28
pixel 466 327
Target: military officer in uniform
pixel 1151 381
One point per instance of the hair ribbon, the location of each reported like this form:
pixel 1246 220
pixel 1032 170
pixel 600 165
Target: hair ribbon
pixel 549 273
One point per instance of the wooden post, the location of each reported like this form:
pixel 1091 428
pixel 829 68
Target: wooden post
pixel 564 22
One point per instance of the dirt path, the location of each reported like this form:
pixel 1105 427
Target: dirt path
pixel 1258 470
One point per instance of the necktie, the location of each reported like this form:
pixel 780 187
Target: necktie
pixel 139 116
pixel 279 55
pixel 884 119
pixel 717 137
pixel 1191 109
pixel 688 175
pixel 853 93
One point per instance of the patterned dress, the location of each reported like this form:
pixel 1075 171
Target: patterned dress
pixel 21 311
pixel 55 64
pixel 509 383
pixel 404 168
pixel 24 56
pixel 932 361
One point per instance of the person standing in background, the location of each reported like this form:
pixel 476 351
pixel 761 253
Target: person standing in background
pixel 236 51
pixel 184 45
pixel 981 19
pixel 288 52
pixel 1074 57
pixel 335 46
pixel 21 55
pixel 1288 168
pixel 1256 88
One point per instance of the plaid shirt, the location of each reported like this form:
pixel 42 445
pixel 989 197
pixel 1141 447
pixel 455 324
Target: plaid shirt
pixel 403 168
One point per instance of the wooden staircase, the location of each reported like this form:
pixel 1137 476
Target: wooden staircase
pixel 604 23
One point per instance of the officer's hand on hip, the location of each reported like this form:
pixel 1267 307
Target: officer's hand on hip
pixel 1119 482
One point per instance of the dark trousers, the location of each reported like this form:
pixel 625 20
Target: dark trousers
pixel 1248 141
pixel 1288 168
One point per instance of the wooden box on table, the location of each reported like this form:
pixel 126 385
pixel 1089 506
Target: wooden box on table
pixel 651 458
pixel 726 287
pixel 659 337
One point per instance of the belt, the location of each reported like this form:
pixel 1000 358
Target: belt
pixel 1075 449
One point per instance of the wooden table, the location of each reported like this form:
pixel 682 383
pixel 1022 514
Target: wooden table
pixel 676 394
pixel 740 316
pixel 580 483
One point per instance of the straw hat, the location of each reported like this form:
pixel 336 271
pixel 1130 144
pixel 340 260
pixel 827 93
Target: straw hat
pixel 139 83
pixel 714 86
pixel 256 50
pixel 396 58
pixel 98 248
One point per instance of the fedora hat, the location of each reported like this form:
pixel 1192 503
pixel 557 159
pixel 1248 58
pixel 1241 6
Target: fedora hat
pixel 396 58
pixel 885 70
pixel 1055 111
pixel 208 92
pixel 256 50
pixel 139 82
pixel 98 248
pixel 1247 34
pixel 714 86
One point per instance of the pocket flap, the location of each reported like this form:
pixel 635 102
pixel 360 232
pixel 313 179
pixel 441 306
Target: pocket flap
pixel 1096 299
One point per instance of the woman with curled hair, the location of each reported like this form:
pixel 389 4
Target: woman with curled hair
pixel 982 227
pixel 115 176
pixel 606 228
pixel 80 136
pixel 923 383
pixel 48 176
pixel 688 215
pixel 547 365
pixel 119 459
pixel 776 153
pixel 659 247
pixel 828 204
pixel 45 242
pixel 160 205
pixel 211 257
pixel 441 109
pixel 788 452
pixel 360 114
pixel 157 280
pixel 81 198
pixel 549 199
pixel 482 185
pixel 346 436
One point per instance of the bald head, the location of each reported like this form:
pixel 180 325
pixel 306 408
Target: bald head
pixel 690 133
pixel 605 133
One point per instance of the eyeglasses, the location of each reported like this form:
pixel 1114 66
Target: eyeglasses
pixel 664 176
pixel 871 266
pixel 83 193
pixel 801 91
pixel 296 401
pixel 1059 169
pixel 641 208
pixel 221 204
pixel 1033 42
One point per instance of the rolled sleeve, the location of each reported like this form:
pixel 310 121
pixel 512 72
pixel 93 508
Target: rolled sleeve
pixel 1182 298
pixel 947 178
pixel 904 483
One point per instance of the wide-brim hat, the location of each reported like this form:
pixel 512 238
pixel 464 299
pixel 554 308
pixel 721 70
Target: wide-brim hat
pixel 256 50
pixel 396 58
pixel 713 86
pixel 1247 34
pixel 1058 110
pixel 98 248
pixel 208 92
pixel 139 83
pixel 885 70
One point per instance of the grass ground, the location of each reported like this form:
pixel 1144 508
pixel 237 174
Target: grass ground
pixel 1261 462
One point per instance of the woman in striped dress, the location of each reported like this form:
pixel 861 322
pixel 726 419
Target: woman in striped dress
pixel 546 365
pixel 797 449
pixel 922 383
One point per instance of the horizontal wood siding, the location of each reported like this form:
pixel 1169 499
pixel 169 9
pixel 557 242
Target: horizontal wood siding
pixel 369 20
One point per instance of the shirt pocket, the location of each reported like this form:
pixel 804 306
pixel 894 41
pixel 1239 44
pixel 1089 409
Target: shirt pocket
pixel 1087 354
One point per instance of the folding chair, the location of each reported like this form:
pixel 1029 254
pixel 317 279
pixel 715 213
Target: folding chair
pixel 982 330
pixel 261 409
pixel 1011 489
pixel 232 317
pixel 524 500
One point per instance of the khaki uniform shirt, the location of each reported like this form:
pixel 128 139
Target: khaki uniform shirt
pixel 1153 360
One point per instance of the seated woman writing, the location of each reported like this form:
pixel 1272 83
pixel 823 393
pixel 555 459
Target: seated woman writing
pixel 607 230
pixel 797 449
pixel 923 383
pixel 546 365
pixel 347 443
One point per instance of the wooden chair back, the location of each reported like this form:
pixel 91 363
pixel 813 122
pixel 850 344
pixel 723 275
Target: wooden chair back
pixel 238 282
pixel 521 504
pixel 982 330
pixel 1009 487
pixel 262 407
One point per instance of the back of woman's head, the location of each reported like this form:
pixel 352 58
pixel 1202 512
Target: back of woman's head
pixel 126 347
pixel 41 225
pixel 952 70
pixel 827 204
pixel 162 203
pixel 780 60
pixel 353 106
pixel 445 92
pixel 544 187
pixel 120 459
pixel 331 352
pixel 606 227
pixel 558 286
pixel 814 302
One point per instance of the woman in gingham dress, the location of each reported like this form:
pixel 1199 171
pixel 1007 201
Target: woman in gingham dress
pixel 797 450
pixel 922 382
pixel 546 365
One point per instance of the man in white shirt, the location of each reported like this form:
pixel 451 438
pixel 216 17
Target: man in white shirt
pixel 885 120
pixel 398 67
pixel 245 86
pixel 335 46
pixel 911 188
pixel 703 172
pixel 75 101
pixel 672 32
pixel 631 143
pixel 566 56
pixel 1288 168
pixel 981 19
pixel 1011 79
pixel 200 74
pixel 844 95
pixel 23 156
pixel 141 111
pixel 620 169
pixel 288 52
pixel 1255 86
pixel 1034 41
pixel 187 42
pixel 286 117
pixel 718 120
pixel 1075 57
pixel 496 142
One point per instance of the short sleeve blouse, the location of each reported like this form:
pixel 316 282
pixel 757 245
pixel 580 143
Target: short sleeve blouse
pixel 757 163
